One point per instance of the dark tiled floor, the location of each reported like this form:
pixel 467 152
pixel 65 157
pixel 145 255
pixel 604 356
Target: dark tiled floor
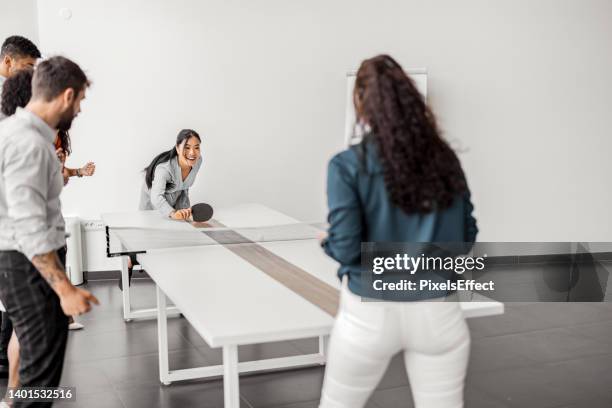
pixel 535 355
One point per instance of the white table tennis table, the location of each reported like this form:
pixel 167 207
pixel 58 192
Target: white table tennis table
pixel 228 300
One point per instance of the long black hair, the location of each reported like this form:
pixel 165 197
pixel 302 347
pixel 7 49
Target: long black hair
pixel 422 173
pixel 169 155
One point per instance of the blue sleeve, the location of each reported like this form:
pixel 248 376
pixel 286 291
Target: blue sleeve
pixel 345 215
pixel 471 229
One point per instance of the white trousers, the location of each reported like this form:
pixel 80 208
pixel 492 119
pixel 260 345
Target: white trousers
pixel 432 335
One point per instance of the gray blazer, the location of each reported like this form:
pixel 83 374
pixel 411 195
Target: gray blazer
pixel 168 191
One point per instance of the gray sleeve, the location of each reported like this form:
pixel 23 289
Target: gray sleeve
pixel 158 189
pixel 26 197
pixel 183 200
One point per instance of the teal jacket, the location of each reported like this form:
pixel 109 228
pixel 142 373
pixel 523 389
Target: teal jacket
pixel 360 210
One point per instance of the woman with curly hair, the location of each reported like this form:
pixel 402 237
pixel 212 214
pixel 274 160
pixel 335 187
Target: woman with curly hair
pixel 402 183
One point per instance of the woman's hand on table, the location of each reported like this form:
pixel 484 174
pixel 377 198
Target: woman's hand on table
pixel 181 214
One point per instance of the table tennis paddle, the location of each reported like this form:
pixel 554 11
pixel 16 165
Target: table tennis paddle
pixel 201 212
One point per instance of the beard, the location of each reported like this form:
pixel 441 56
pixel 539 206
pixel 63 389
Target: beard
pixel 65 121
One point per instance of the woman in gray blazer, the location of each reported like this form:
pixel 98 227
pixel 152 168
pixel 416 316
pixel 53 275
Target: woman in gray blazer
pixel 168 179
pixel 169 176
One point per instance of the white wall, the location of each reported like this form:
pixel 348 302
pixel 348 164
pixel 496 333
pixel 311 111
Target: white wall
pixel 524 86
pixel 18 18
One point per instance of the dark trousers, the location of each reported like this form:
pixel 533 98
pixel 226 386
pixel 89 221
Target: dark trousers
pixel 6 329
pixel 38 320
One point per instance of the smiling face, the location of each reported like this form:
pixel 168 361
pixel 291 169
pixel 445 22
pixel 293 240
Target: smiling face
pixel 188 152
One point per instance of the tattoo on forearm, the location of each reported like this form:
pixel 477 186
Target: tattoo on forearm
pixel 50 268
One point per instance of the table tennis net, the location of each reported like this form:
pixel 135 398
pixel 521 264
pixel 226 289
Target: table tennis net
pixel 130 239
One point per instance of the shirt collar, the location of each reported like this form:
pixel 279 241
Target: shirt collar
pixel 44 129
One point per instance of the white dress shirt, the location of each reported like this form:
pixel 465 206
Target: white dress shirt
pixel 31 181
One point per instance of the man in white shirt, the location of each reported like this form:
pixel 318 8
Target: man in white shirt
pixel 34 287
pixel 16 53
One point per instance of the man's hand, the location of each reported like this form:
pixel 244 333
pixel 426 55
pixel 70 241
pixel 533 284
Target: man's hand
pixel 73 300
pixel 181 214
pixel 76 301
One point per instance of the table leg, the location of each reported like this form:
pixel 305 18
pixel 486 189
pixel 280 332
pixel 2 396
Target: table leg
pixel 323 346
pixel 125 280
pixel 230 377
pixel 162 337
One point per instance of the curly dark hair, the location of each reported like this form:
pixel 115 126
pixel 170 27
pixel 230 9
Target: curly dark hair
pixel 64 141
pixel 18 46
pixel 422 173
pixel 16 91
